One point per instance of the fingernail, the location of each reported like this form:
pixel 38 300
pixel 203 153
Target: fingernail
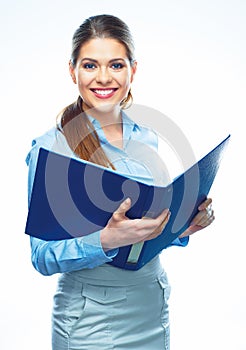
pixel 167 212
pixel 127 200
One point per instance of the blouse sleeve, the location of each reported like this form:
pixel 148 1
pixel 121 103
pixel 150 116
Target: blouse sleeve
pixel 50 257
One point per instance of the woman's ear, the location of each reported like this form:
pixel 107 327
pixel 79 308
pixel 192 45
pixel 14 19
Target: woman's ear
pixel 134 69
pixel 72 73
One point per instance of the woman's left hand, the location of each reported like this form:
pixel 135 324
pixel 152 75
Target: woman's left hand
pixel 203 219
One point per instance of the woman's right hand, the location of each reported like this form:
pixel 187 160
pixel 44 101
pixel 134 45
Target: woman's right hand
pixel 121 231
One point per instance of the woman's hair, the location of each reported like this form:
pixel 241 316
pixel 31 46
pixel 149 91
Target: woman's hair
pixel 76 126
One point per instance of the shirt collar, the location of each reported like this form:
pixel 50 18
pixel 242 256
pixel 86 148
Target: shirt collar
pixel 129 126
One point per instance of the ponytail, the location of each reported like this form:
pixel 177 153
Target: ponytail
pixel 81 135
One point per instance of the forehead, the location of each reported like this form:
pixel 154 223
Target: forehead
pixel 103 48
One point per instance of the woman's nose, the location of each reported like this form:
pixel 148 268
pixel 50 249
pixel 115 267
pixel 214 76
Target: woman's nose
pixel 103 76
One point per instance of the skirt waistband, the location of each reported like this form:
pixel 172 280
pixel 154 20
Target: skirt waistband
pixel 109 275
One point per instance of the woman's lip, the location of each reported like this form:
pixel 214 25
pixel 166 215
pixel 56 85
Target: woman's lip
pixel 104 93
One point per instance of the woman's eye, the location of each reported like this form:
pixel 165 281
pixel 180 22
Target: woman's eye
pixel 117 66
pixel 89 66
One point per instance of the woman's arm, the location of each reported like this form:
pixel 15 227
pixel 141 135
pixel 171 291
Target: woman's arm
pixel 49 257
pixel 73 254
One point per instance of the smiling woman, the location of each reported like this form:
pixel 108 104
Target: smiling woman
pixel 98 305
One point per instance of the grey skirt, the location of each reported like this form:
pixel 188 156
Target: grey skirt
pixel 109 308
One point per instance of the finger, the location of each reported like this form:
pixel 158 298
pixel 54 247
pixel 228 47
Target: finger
pixel 205 204
pixel 203 218
pixel 198 218
pixel 152 236
pixel 159 230
pixel 158 221
pixel 157 225
pixel 164 223
pixel 207 219
pixel 120 213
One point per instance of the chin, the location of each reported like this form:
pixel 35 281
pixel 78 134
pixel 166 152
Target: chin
pixel 105 107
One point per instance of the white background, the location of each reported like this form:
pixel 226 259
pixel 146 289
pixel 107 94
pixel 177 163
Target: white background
pixel 191 56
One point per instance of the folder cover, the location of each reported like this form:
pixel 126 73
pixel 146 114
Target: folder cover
pixel 72 198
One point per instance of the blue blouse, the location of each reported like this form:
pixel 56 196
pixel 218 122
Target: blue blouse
pixel 137 159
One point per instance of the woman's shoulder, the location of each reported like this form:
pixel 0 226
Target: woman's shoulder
pixel 47 139
pixel 51 140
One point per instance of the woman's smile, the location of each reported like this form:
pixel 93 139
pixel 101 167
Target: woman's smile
pixel 104 93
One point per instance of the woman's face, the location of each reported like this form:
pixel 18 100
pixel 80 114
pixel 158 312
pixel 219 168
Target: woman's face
pixel 103 74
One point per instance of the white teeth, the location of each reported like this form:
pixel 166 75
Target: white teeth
pixel 103 92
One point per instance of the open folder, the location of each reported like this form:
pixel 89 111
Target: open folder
pixel 72 198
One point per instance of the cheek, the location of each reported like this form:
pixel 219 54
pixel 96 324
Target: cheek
pixel 124 80
pixel 84 79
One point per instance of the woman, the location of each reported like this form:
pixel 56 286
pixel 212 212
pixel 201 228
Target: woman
pixel 99 306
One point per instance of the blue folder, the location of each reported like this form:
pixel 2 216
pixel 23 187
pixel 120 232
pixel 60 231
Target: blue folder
pixel 72 198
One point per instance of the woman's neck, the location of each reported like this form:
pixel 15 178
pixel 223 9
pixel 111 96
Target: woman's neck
pixel 110 120
pixel 114 134
pixel 106 115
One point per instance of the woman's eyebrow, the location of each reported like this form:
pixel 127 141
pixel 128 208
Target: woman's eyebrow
pixel 88 59
pixel 93 60
pixel 117 59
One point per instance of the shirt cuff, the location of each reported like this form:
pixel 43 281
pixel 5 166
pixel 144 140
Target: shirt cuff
pixel 181 242
pixel 92 244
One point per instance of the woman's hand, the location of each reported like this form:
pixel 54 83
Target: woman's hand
pixel 203 219
pixel 121 231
